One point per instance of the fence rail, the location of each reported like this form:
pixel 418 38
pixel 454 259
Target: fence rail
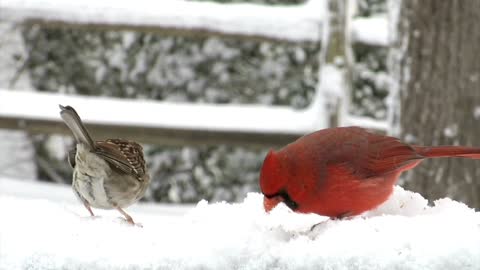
pixel 296 23
pixel 160 122
pixel 165 123
pixel 210 124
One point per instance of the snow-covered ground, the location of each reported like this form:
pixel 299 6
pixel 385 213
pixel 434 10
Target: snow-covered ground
pixel 42 227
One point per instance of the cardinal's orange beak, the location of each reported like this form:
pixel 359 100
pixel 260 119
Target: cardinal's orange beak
pixel 270 203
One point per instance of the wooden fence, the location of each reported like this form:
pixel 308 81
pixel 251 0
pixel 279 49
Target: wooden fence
pixel 329 22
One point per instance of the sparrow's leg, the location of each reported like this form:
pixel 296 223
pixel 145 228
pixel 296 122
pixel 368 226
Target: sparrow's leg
pixel 127 216
pixel 79 196
pixel 88 208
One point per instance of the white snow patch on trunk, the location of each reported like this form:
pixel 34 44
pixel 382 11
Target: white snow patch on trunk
pixel 373 30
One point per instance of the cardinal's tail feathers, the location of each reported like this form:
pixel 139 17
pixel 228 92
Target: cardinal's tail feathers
pixel 448 151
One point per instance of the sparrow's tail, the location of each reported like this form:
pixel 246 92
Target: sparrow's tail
pixel 74 123
pixel 448 151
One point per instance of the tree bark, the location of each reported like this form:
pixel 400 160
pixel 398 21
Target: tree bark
pixel 337 54
pixel 436 59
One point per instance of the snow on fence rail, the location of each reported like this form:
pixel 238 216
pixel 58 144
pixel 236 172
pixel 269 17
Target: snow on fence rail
pixel 180 124
pixel 160 122
pixel 296 23
pixel 165 122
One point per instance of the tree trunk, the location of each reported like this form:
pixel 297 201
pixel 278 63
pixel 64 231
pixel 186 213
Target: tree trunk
pixel 436 60
pixel 337 61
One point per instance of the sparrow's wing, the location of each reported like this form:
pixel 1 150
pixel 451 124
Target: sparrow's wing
pixel 124 155
pixel 71 157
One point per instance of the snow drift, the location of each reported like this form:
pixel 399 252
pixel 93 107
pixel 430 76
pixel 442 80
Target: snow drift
pixel 42 227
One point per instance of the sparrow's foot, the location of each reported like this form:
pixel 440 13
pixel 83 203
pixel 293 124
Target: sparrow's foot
pixel 128 218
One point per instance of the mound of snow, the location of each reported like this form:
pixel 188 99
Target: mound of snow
pixel 404 233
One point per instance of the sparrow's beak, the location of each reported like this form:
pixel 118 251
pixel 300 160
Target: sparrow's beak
pixel 270 203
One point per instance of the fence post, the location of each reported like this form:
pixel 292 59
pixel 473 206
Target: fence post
pixel 336 66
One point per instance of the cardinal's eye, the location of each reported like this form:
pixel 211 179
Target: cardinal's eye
pixel 291 204
pixel 287 200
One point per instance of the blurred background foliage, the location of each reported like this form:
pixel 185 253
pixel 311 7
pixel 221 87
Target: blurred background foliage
pixel 191 69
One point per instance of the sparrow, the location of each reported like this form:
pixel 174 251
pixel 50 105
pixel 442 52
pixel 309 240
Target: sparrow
pixel 109 174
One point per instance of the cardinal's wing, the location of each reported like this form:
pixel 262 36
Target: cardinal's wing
pixel 369 154
pixel 387 154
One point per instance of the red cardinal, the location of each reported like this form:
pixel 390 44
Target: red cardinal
pixel 341 172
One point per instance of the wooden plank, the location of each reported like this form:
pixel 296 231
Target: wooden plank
pixel 177 136
pixel 291 24
pixel 164 30
pixel 160 122
pixel 165 123
pixel 295 23
pixel 155 135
